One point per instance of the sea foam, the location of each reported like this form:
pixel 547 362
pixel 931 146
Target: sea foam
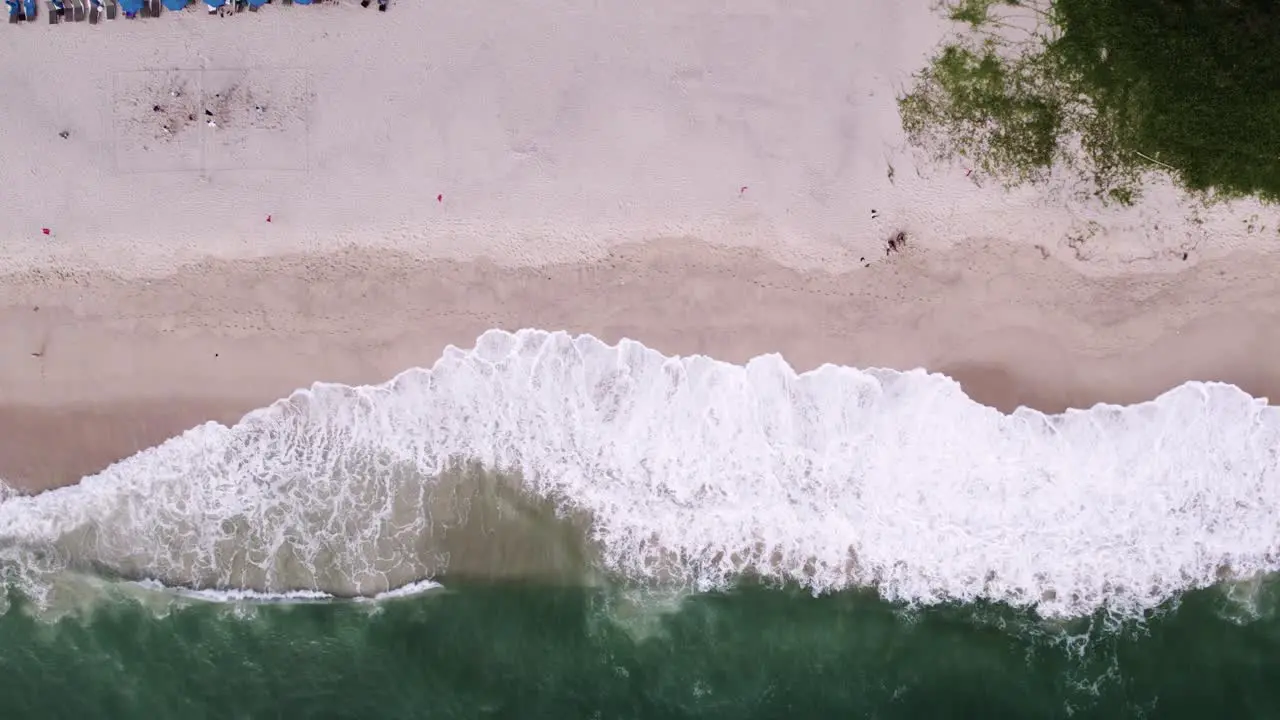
pixel 693 472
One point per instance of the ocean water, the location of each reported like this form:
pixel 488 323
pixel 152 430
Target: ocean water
pixel 548 526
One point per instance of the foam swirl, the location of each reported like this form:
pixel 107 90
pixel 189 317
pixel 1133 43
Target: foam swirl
pixel 696 471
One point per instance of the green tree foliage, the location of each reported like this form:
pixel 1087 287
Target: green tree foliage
pixel 1110 88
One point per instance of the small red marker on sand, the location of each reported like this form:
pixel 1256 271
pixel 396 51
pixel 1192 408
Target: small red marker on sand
pixel 268 218
pixel 46 231
pixel 440 197
pixel 742 190
pixel 966 172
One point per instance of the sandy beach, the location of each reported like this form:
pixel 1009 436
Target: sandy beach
pixel 618 358
pixel 720 180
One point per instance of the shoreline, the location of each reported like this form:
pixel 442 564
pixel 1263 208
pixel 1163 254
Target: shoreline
pixel 125 364
pixel 621 170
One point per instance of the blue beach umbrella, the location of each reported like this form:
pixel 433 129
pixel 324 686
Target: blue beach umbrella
pixel 174 5
pixel 215 4
pixel 257 3
pixel 131 7
pixel 301 2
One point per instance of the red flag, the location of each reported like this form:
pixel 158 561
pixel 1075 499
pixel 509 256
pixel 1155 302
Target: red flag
pixel 46 231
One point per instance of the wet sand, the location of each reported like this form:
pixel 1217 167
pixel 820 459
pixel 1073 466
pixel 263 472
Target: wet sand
pixel 124 364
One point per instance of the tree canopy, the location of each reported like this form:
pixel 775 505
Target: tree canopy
pixel 1111 88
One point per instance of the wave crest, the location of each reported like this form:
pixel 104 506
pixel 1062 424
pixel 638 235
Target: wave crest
pixel 694 471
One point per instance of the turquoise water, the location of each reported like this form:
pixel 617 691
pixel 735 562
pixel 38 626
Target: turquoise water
pixel 539 651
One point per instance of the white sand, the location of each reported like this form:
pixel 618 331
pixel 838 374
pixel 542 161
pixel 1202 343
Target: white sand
pixel 556 133
pixel 553 130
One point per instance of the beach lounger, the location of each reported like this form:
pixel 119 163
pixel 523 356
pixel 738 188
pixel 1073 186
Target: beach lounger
pixel 94 13
pixel 29 9
pixel 155 8
pixel 53 12
pixel 77 9
pixel 112 9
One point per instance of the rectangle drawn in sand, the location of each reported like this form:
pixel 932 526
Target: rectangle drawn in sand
pixel 201 120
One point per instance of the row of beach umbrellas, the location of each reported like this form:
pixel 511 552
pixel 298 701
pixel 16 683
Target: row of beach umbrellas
pixel 75 9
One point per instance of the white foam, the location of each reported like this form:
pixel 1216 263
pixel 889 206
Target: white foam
pixel 702 470
pixel 237 596
pixel 414 588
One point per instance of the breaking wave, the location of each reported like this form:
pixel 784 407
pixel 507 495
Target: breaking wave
pixel 572 456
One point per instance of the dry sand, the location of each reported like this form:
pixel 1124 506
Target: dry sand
pixel 591 160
